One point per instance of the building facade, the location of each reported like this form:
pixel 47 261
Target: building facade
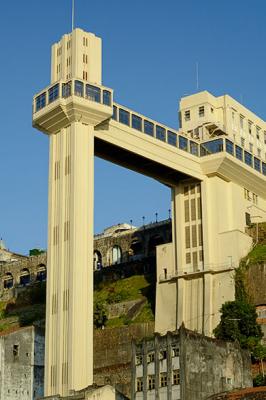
pixel 188 366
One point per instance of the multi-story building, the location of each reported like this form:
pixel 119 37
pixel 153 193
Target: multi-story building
pixel 188 366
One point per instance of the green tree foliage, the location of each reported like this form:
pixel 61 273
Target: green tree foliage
pixel 238 322
pixel 100 314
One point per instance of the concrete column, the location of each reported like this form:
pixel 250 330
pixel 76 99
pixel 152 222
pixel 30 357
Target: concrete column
pixel 69 347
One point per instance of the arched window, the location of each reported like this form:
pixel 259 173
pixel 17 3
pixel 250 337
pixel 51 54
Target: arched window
pixel 97 260
pixel 24 278
pixel 116 255
pixel 8 280
pixel 41 273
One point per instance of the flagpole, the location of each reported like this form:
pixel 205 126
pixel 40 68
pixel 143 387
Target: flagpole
pixel 73 14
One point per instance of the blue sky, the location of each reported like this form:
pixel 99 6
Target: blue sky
pixel 150 50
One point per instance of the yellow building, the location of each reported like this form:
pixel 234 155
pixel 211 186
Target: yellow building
pixel 218 184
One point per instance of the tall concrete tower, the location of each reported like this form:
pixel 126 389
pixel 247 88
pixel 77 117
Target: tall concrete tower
pixel 68 110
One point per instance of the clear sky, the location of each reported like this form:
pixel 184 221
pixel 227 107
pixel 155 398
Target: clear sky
pixel 150 50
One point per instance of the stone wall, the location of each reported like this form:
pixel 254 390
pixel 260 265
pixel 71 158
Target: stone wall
pixel 258 393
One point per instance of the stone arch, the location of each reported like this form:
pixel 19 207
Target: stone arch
pixel 97 260
pixel 41 273
pixel 136 248
pixel 24 277
pixel 154 241
pixel 116 254
pixel 8 280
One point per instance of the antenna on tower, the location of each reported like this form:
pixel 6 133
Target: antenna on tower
pixel 73 14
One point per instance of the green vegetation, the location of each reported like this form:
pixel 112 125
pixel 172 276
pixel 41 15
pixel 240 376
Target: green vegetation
pixel 258 254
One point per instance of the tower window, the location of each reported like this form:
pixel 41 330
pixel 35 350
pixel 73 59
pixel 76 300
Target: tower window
pixel 176 377
pixel 187 115
pixel 151 382
pixel 201 111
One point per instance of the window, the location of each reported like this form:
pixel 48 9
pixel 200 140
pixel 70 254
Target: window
pixel 255 198
pixel 139 384
pixel 79 88
pixel 187 115
pixel 229 147
pixel 15 350
pixel 176 377
pixel 247 194
pixel 241 123
pixel 201 111
pixel 160 133
pixel 257 164
pixel 139 359
pixel 215 146
pixel 233 120
pixel 188 258
pixel 242 142
pixel 183 143
pixel 148 128
pixel 171 138
pixel 114 116
pixel 151 382
pixel 163 379
pixel 85 75
pixel 123 116
pixel 53 93
pixel 187 237
pixel 150 357
pixel 264 168
pixel 40 101
pixel 163 355
pixel 136 122
pixel 239 153
pixel 250 127
pixel 175 352
pixel 8 280
pixel 258 132
pixel 66 89
pixel 107 97
pixel 248 219
pixel 194 148
pixel 259 152
pixel 93 93
pixel 248 158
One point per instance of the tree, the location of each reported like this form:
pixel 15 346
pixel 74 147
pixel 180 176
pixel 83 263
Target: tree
pixel 100 314
pixel 238 322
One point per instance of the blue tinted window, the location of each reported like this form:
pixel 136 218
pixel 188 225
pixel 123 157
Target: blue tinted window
pixel 53 93
pixel 79 88
pixel 136 122
pixel 149 128
pixel 114 116
pixel 66 89
pixel 264 168
pixel 183 143
pixel 239 153
pixel 257 164
pixel 107 97
pixel 172 138
pixel 215 146
pixel 160 133
pixel 229 147
pixel 93 93
pixel 123 116
pixel 194 148
pixel 40 101
pixel 248 158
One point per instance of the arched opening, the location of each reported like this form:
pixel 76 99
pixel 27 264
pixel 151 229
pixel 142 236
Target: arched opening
pixel 116 255
pixel 24 278
pixel 41 273
pixel 136 249
pixel 8 280
pixel 154 241
pixel 97 260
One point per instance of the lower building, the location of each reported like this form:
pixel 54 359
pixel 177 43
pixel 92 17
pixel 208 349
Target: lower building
pixel 22 364
pixel 184 365
pixel 106 392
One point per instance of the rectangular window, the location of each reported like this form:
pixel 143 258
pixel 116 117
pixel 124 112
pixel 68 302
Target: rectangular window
pixel 171 138
pixel 148 128
pixel 175 352
pixel 160 133
pixel 200 234
pixel 193 209
pixel 187 237
pixel 183 143
pixel 194 236
pixel 257 164
pixel 248 158
pixel 195 260
pixel 139 384
pixel 176 377
pixel 187 115
pixel 53 93
pixel 241 123
pixel 136 122
pixel 188 258
pixel 150 357
pixel 259 152
pixel 163 379
pixel 258 132
pixel 66 89
pixel 123 116
pixel 107 97
pixel 151 382
pixel 79 87
pixel 40 101
pixel 186 210
pixel 215 146
pixel 251 147
pixel 93 93
pixel 264 168
pixel 250 127
pixel 85 75
pixel 114 116
pixel 239 153
pixel 139 359
pixel 242 142
pixel 201 111
pixel 199 208
pixel 248 219
pixel 229 147
pixel 194 148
